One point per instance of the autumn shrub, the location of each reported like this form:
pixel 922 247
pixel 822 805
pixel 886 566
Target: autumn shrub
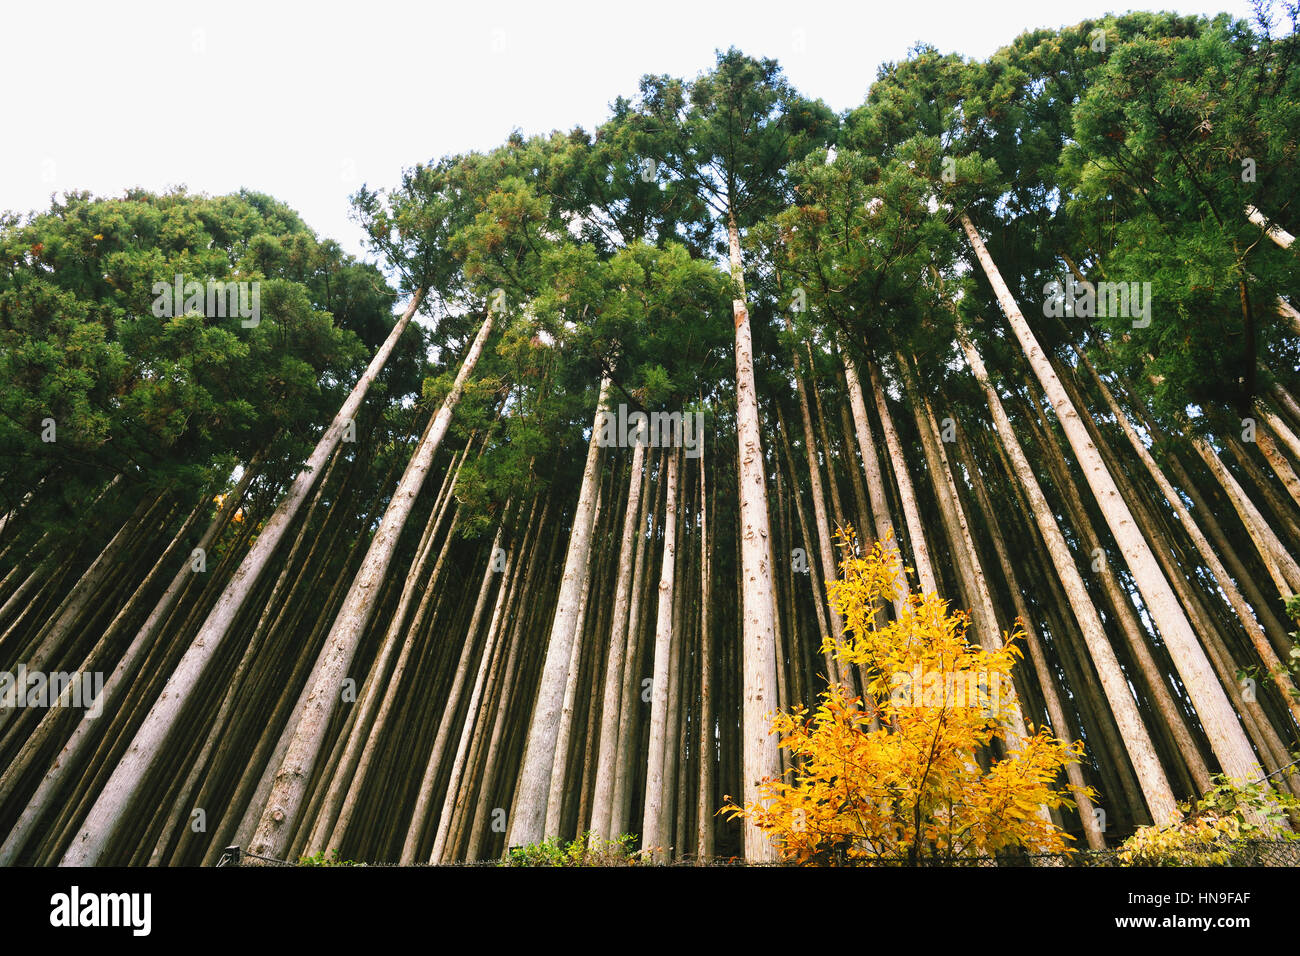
pixel 1215 828
pixel 895 774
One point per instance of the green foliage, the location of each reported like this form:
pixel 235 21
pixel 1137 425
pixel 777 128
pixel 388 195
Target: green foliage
pixel 579 852
pixel 169 399
pixel 1215 827
pixel 1290 666
pixel 321 858
pixel 653 319
pixel 1174 138
pixel 727 138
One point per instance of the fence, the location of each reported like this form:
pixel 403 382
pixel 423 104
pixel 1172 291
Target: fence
pixel 1247 853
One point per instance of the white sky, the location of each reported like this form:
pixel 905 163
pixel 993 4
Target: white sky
pixel 306 102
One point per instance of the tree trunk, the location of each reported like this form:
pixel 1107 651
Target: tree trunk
pixel 1212 705
pixel 289 790
pixel 115 799
pixel 653 837
pixel 1254 631
pixel 825 547
pixel 761 757
pixel 607 757
pixel 1141 751
pixel 911 513
pixel 1282 568
pixel 528 824
pixel 884 525
pixel 704 813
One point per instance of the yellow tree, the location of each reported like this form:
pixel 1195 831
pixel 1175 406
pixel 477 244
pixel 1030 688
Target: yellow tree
pixel 912 789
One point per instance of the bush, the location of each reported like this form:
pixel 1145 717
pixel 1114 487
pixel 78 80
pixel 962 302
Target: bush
pixel 583 851
pixel 893 775
pixel 321 858
pixel 1215 828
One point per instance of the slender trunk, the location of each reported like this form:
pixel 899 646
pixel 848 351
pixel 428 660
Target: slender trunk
pixel 825 547
pixel 1221 725
pixel 52 636
pixel 911 513
pixel 963 551
pixel 1282 568
pixel 606 760
pixel 118 795
pixel 1141 751
pixel 1254 630
pixel 704 813
pixel 415 828
pixel 821 607
pixel 1138 637
pixel 761 758
pixel 884 525
pixel 345 783
pixel 1274 231
pixel 630 711
pixel 1248 582
pixel 475 714
pixel 1285 400
pixel 528 824
pixel 652 830
pixel 290 789
pixel 1046 679
pixel 560 767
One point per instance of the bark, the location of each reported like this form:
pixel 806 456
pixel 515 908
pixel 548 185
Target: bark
pixel 820 608
pixel 911 513
pixel 295 773
pixel 1281 516
pixel 353 768
pixel 1245 615
pixel 616 656
pixel 760 757
pixel 1245 580
pixel 108 812
pixel 1137 637
pixel 528 824
pixel 1226 735
pixel 1282 568
pixel 1273 230
pixel 653 831
pixel 884 525
pixel 825 547
pixel 1046 680
pixel 704 813
pixel 629 719
pixel 54 634
pixel 962 545
pixel 559 769
pixel 1141 751
pixel 1285 400
pixel 475 717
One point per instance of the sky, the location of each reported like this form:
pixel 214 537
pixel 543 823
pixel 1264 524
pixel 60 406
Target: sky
pixel 307 102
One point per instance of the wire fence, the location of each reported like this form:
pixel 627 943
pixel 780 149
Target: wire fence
pixel 1243 853
pixel 1252 853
